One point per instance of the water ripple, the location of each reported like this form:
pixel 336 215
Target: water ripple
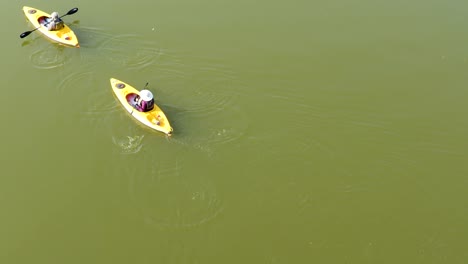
pixel 130 51
pixel 207 110
pixel 92 37
pixel 129 145
pixel 90 96
pixel 75 81
pixel 90 88
pixel 49 57
pixel 167 199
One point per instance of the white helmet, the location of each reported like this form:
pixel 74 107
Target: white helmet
pixel 146 95
pixel 54 15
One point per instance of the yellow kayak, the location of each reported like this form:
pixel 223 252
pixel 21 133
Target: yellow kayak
pixel 63 36
pixel 155 118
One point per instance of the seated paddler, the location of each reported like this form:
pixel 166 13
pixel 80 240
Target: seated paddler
pixel 54 22
pixel 144 101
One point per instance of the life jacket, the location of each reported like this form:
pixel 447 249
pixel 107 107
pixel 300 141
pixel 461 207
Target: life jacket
pixel 145 106
pixel 150 105
pixel 54 25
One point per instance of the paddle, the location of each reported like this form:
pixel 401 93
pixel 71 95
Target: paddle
pixel 71 12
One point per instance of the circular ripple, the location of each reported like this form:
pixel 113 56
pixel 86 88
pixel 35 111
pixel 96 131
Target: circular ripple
pixel 49 57
pixel 207 112
pixel 211 118
pixel 130 51
pixel 91 97
pixel 166 198
pixel 87 87
pixel 217 128
pixel 75 83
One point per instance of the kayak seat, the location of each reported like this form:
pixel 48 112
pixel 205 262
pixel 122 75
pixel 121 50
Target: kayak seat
pixel 42 20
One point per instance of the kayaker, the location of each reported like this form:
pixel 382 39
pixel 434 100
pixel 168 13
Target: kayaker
pixel 145 101
pixel 54 22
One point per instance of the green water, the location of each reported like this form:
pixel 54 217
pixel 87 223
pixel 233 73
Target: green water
pixel 304 132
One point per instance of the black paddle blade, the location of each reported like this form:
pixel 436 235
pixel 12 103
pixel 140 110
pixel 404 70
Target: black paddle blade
pixel 25 34
pixel 72 11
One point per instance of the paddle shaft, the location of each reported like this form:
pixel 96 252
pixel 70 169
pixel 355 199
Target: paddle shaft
pixel 71 12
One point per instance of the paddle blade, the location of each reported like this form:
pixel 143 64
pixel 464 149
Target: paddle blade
pixel 25 34
pixel 72 11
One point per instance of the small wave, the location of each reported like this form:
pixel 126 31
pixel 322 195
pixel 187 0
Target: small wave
pixel 168 199
pixel 208 113
pixel 49 57
pixel 91 37
pixel 91 96
pixel 130 51
pixel 75 81
pixel 129 144
pixel 89 88
pixel 205 130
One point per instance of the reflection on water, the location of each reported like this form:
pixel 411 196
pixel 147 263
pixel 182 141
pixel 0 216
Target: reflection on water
pixel 25 43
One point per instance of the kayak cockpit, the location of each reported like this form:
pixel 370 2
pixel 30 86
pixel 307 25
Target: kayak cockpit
pixel 132 99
